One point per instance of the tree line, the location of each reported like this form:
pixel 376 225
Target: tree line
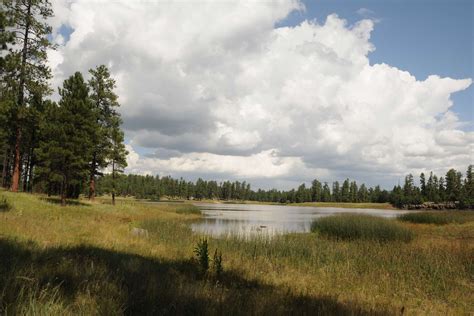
pixel 451 188
pixel 52 147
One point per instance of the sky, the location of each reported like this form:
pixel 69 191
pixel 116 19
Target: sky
pixel 279 93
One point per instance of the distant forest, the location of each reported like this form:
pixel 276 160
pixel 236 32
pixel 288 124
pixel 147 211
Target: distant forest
pixel 452 188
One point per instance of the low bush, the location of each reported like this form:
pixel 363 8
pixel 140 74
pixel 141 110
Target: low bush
pixel 438 218
pixel 353 226
pixel 4 205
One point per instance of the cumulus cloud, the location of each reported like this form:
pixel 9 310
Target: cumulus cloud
pixel 220 91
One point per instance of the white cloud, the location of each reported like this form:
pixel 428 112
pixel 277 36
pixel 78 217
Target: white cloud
pixel 224 92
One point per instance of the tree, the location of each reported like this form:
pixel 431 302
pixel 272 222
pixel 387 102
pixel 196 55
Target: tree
pixel 453 185
pixel 118 153
pixel 67 135
pixel 468 188
pixel 316 191
pixel 423 185
pixel 26 63
pixel 105 101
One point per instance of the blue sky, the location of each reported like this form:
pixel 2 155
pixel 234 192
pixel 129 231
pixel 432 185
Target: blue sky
pixel 420 36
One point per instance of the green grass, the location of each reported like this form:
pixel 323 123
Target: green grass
pixel 188 209
pixel 438 218
pixel 83 260
pixel 355 226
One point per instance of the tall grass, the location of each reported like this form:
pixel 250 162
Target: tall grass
pixel 355 226
pixel 438 218
pixel 82 260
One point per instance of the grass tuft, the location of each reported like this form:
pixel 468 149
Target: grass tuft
pixel 188 209
pixel 353 226
pixel 4 205
pixel 438 218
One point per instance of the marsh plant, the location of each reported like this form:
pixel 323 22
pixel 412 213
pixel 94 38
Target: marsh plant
pixel 354 226
pixel 438 217
pixel 217 267
pixel 202 255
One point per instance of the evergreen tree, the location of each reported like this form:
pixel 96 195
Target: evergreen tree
pixel 67 136
pixel 25 65
pixel 423 185
pixel 105 101
pixel 453 185
pixel 117 154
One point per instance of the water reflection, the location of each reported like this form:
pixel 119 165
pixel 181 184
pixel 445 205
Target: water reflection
pixel 247 220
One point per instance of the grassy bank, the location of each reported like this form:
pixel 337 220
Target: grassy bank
pixel 438 217
pixel 82 259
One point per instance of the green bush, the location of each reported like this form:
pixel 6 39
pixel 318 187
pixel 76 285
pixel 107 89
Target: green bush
pixel 438 218
pixel 4 205
pixel 353 226
pixel 217 267
pixel 202 255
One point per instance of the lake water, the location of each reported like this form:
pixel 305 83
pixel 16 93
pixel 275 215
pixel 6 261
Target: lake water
pixel 252 219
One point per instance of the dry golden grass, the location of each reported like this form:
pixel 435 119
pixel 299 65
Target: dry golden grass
pixel 83 259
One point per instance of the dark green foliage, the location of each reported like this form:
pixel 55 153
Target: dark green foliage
pixel 438 218
pixel 107 148
pixel 67 136
pixel 353 227
pixel 4 205
pixel 202 255
pixel 217 267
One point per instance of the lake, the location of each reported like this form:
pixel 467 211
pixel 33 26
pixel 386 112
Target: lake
pixel 257 219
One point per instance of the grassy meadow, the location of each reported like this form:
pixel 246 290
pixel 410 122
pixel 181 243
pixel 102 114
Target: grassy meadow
pixel 83 259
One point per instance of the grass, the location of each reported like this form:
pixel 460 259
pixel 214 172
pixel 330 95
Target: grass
pixel 355 226
pixel 82 259
pixel 438 218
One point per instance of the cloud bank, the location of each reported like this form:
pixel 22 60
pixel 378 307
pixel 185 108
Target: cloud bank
pixel 214 89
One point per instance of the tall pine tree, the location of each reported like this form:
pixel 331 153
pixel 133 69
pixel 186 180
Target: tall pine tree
pixel 25 64
pixel 108 119
pixel 67 137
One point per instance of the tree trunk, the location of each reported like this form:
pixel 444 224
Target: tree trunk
pixel 21 101
pixel 92 178
pixel 113 183
pixel 92 188
pixel 6 166
pixel 16 164
pixel 63 192
pixel 26 173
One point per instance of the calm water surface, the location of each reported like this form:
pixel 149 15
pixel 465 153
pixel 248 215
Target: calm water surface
pixel 252 219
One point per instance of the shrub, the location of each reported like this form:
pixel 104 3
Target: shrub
pixel 353 226
pixel 438 218
pixel 4 205
pixel 217 267
pixel 202 255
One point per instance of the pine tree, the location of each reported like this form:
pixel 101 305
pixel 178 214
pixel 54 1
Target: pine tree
pixel 25 64
pixel 105 101
pixel 67 136
pixel 118 153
